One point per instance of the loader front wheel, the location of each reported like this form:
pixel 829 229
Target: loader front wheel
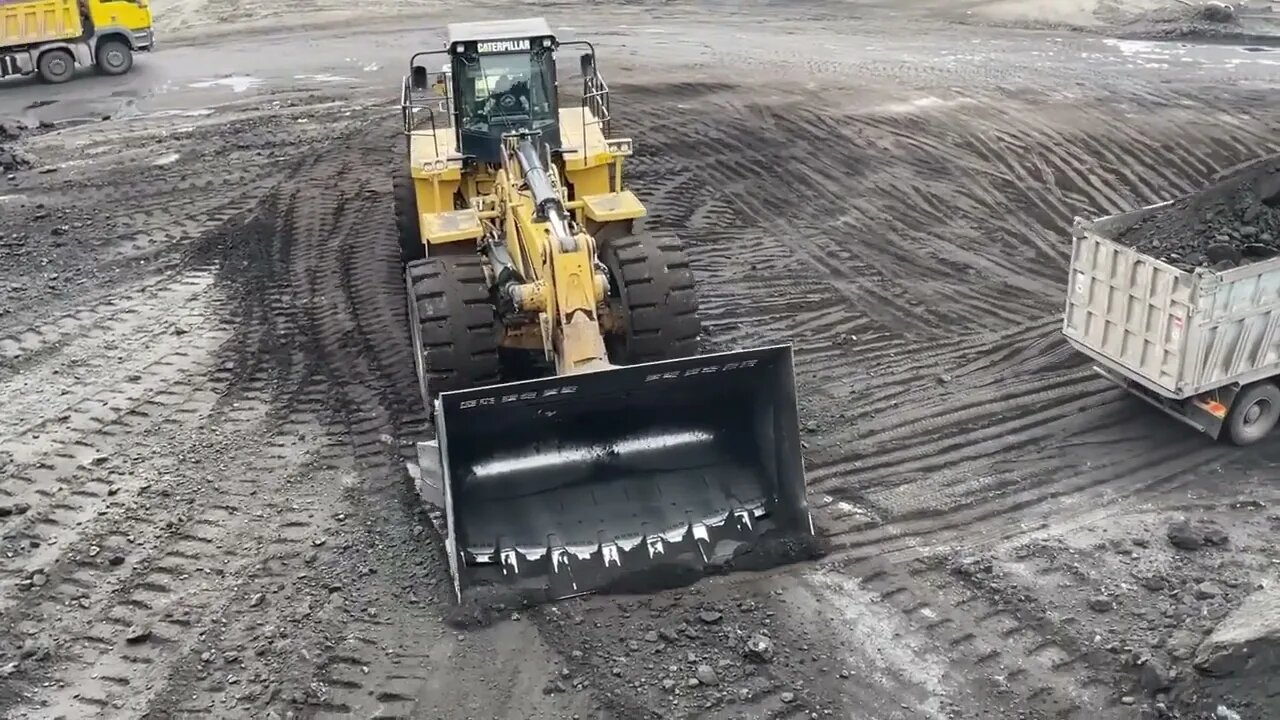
pixel 652 290
pixel 406 208
pixel 1254 413
pixel 452 325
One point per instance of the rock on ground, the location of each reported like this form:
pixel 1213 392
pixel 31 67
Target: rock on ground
pixel 1247 640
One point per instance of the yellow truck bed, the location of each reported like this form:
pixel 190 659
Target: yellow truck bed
pixel 26 22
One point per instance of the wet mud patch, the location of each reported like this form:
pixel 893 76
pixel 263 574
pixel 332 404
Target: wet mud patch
pixel 1233 222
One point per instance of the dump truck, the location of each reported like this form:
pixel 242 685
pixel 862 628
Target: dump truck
pixel 1179 302
pixel 581 442
pixel 49 38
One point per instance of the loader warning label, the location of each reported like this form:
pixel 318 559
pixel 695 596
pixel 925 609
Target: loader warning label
pixel 502 46
pixel 517 397
pixel 700 370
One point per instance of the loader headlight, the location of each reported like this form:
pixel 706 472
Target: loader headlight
pixel 435 165
pixel 620 146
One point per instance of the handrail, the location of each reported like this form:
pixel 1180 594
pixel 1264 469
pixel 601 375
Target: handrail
pixel 411 106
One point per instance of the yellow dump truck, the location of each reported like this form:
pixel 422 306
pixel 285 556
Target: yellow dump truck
pixel 51 37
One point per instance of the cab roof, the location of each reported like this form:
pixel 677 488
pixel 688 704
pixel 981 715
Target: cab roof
pixel 498 30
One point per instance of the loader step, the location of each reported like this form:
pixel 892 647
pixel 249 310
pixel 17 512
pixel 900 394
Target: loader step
pixel 452 325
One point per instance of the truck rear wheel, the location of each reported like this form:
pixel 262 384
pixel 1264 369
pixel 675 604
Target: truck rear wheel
pixel 1254 413
pixel 406 208
pixel 452 325
pixel 56 66
pixel 114 57
pixel 653 288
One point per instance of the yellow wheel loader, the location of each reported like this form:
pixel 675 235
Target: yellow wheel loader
pixel 581 443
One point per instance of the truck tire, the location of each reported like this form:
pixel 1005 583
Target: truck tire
pixel 652 287
pixel 406 208
pixel 1254 413
pixel 56 66
pixel 452 324
pixel 114 57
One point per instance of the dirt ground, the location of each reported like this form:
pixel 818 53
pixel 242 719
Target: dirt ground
pixel 208 398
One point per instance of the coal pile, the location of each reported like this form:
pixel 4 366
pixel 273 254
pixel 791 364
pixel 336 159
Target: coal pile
pixel 1234 222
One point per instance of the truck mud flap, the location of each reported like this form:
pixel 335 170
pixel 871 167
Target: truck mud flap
pixel 613 480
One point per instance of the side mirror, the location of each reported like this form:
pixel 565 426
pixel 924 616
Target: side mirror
pixel 588 63
pixel 418 78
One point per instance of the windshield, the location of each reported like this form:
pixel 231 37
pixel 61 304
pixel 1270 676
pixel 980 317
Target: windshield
pixel 507 91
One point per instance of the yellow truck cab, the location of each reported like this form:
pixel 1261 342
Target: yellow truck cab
pixel 51 37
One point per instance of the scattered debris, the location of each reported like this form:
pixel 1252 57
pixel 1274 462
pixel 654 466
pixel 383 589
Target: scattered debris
pixel 759 649
pixel 1101 604
pixel 137 634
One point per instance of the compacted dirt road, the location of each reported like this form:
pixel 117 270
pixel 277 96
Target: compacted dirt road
pixel 208 397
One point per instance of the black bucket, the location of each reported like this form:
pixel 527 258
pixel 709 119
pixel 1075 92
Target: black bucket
pixel 577 483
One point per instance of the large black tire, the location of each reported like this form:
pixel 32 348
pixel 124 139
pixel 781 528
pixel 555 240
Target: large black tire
pixel 452 324
pixel 406 208
pixel 56 66
pixel 114 57
pixel 654 288
pixel 1254 413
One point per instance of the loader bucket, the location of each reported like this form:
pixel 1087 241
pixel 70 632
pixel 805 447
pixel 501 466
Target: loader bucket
pixel 586 482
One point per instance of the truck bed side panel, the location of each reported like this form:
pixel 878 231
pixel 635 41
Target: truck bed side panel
pixel 27 22
pixel 1235 334
pixel 1173 331
pixel 1129 308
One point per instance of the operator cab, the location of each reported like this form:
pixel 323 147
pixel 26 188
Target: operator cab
pixel 503 81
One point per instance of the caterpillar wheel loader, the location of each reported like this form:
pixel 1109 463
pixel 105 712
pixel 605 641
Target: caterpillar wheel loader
pixel 580 440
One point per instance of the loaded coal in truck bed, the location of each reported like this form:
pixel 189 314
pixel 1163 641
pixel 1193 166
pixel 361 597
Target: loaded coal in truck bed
pixel 1233 222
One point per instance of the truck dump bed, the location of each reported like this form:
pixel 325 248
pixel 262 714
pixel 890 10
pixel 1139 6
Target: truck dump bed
pixel 26 22
pixel 1183 296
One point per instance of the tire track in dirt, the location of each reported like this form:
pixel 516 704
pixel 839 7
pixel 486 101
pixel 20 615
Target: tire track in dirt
pixel 148 208
pixel 1011 652
pixel 56 473
pixel 945 405
pixel 175 399
pixel 1010 396
pixel 92 472
pixel 329 272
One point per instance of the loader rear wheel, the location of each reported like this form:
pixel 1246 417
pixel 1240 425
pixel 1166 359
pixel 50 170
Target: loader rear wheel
pixel 1254 413
pixel 654 292
pixel 406 207
pixel 452 324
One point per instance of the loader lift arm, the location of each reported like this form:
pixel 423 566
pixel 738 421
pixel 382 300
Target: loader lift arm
pixel 574 283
